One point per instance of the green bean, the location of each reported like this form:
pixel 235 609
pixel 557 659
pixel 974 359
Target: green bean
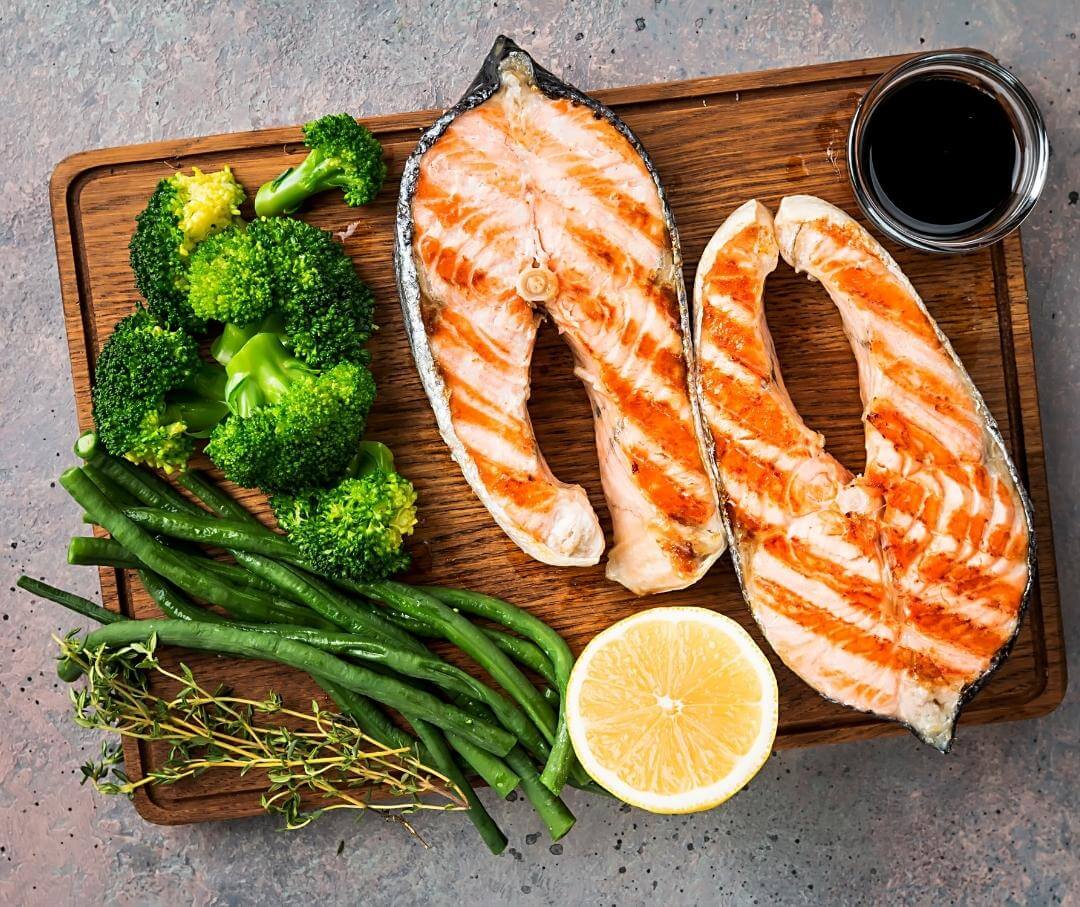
pixel 84 550
pixel 244 596
pixel 423 667
pixel 372 720
pixel 172 601
pixel 495 772
pixel 224 504
pixel 208 530
pixel 175 567
pixel 360 618
pixel 213 497
pixel 524 653
pixel 109 488
pixel 140 483
pixel 368 620
pixel 551 643
pixel 66 669
pixel 554 813
pixel 90 551
pixel 69 600
pixel 521 650
pixel 469 639
pixel 241 535
pixel 444 762
pixel 151 490
pixel 293 582
pixel 270 647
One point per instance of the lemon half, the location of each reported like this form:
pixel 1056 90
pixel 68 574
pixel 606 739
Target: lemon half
pixel 672 710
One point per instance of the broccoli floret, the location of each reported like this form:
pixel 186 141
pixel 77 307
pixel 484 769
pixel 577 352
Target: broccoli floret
pixel 152 393
pixel 230 279
pixel 294 272
pixel 292 426
pixel 343 155
pixel 183 211
pixel 358 527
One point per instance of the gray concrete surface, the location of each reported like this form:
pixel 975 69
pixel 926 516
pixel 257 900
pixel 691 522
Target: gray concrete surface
pixel 886 821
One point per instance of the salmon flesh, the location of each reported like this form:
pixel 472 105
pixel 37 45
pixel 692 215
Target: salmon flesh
pixel 529 199
pixel 898 591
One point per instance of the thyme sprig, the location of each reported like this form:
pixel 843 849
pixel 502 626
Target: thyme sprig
pixel 320 753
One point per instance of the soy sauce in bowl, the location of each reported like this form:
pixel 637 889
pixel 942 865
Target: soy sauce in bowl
pixel 941 155
pixel 947 152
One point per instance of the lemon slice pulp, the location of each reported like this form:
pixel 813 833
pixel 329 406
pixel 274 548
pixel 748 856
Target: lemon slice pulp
pixel 673 709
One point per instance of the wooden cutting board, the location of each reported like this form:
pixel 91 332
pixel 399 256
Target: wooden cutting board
pixel 716 142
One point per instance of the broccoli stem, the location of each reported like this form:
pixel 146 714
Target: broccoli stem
pixel 233 336
pixel 286 193
pixel 261 372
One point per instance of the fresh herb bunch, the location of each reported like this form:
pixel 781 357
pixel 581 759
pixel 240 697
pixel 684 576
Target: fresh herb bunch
pixel 321 754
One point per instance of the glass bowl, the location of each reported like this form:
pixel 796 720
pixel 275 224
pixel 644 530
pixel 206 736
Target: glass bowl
pixel 1028 128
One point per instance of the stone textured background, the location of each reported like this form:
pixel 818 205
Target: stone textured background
pixel 994 821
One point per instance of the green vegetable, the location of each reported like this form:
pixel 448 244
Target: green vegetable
pixel 231 278
pixel 555 815
pixel 69 600
pixel 229 640
pixel 239 536
pixel 550 642
pixel 291 426
pixel 372 637
pixel 88 551
pixel 344 155
pixel 375 723
pixel 152 393
pixel 372 721
pixel 169 563
pixel 211 530
pixel 363 622
pixel 356 528
pixel 552 811
pixel 444 762
pixel 294 277
pixel 472 641
pixel 141 484
pixel 183 211
pixel 523 652
pixel 422 666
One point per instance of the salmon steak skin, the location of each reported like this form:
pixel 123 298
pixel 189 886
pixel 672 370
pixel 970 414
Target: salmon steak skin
pixel 529 200
pixel 899 591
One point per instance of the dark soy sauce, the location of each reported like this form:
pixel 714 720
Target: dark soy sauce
pixel 941 155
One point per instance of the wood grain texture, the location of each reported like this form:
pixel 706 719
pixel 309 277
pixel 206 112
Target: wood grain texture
pixel 716 142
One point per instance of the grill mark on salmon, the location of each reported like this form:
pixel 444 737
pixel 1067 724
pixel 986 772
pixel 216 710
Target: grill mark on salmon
pixel 524 173
pixel 896 592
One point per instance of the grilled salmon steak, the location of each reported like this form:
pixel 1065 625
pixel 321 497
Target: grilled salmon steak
pixel 897 591
pixel 529 199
